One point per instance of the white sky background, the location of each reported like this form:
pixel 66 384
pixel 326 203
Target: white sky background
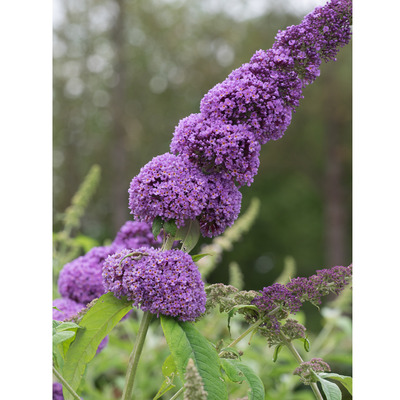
pixel 26 192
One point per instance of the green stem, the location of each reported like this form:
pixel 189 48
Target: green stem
pixel 298 358
pixel 178 393
pixel 135 355
pixel 243 335
pixel 65 383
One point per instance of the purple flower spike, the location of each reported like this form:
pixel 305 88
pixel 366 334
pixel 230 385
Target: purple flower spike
pixel 135 234
pixel 215 146
pixel 80 279
pixel 161 282
pixel 171 187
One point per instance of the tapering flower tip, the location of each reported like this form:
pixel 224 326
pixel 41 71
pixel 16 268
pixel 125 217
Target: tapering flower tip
pixel 318 37
pixel 215 146
pixel 161 282
pixel 171 187
pixel 66 308
pixel 265 106
pixel 135 234
pixel 80 279
pixel 325 281
pixel 57 391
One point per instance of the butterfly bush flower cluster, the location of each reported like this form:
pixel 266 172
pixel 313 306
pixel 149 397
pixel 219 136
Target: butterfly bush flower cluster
pixel 161 282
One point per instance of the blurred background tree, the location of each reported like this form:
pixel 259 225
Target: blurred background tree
pixel 126 72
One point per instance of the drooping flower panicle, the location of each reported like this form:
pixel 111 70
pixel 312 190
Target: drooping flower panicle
pixel 161 282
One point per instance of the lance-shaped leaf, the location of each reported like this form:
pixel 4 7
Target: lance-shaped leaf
pixel 331 390
pixel 238 371
pixel 96 323
pixel 185 342
pixel 346 381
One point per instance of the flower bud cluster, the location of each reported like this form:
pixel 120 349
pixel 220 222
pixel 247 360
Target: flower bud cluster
pixel 307 370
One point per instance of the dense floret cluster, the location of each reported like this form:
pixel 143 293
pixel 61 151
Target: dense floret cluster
pixel 172 188
pixel 161 282
pixel 80 279
pixel 218 146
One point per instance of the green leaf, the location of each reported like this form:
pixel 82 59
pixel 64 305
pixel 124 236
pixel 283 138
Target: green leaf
pixel 346 381
pixel 277 350
pixel 96 323
pixel 185 342
pixel 170 227
pixel 331 390
pixel 64 326
pixel 306 343
pixel 238 371
pixel 157 226
pixel 197 257
pixel 169 366
pixel 60 337
pixel 189 235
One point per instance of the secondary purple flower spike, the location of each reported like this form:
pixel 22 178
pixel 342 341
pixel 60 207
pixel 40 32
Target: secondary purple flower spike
pixel 80 279
pixel 135 234
pixel 161 282
pixel 215 146
pixel 277 301
pixel 171 187
pixel 67 307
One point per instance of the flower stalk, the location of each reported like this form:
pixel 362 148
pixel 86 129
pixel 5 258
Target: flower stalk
pixel 135 356
pixel 65 383
pixel 298 358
